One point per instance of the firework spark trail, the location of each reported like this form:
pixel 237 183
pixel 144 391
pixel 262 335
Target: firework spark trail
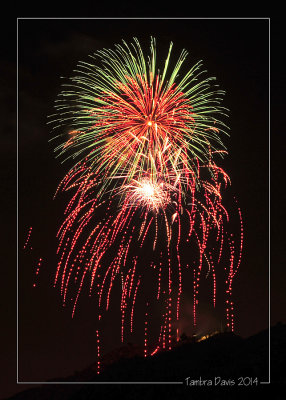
pixel 28 238
pixel 143 144
pixel 37 271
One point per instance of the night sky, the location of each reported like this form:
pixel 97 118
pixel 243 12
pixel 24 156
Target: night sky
pixel 51 343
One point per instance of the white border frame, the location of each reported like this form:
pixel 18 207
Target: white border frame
pixel 269 275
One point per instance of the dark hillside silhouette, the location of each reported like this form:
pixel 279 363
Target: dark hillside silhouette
pixel 222 356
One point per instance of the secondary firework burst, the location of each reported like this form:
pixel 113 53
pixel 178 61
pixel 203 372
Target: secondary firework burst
pixel 147 194
pixel 144 142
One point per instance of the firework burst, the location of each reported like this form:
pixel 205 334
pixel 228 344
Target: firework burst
pixel 124 115
pixel 144 144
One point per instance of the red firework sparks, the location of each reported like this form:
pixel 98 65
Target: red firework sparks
pixel 145 189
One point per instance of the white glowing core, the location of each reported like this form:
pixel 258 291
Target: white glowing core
pixel 148 190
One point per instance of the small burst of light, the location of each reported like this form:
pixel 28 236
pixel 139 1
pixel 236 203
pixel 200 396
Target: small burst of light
pixel 152 194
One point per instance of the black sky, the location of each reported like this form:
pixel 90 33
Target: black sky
pixel 51 344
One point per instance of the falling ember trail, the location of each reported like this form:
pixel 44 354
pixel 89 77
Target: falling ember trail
pixel 98 352
pixel 28 239
pixel 37 271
